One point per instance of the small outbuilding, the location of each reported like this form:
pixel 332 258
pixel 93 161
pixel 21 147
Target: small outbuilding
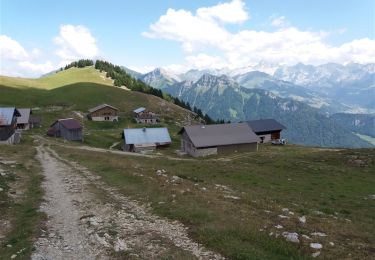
pixel 204 140
pixel 69 128
pixel 103 112
pixel 8 125
pixel 35 121
pixel 143 116
pixel 23 120
pixel 145 139
pixel 267 129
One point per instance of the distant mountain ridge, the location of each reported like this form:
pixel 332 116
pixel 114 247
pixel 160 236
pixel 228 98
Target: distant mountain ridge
pixel 223 97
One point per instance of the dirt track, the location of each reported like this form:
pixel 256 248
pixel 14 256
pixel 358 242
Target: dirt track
pixel 89 220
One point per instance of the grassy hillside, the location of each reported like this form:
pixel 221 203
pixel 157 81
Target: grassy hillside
pixel 56 80
pixel 58 97
pixel 235 204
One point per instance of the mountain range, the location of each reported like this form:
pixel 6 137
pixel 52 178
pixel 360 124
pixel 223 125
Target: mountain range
pixel 303 97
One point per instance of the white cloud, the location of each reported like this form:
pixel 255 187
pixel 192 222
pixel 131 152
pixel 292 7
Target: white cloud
pixel 279 22
pixel 202 61
pixel 37 68
pixel 206 30
pixel 76 42
pixel 11 49
pixel 232 12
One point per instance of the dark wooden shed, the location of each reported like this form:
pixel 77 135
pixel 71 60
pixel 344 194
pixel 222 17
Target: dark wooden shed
pixel 70 129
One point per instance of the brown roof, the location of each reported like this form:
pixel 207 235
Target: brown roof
pixel 100 107
pixel 69 123
pixel 220 134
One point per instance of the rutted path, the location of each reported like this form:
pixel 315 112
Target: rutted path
pixel 89 220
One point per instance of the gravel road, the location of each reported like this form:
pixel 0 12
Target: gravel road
pixel 86 219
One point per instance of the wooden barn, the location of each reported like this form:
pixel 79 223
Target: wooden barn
pixel 204 140
pixel 267 129
pixel 35 121
pixel 8 125
pixel 70 129
pixel 23 121
pixel 103 112
pixel 143 116
pixel 145 139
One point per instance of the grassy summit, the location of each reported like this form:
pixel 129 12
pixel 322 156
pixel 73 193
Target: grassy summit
pixel 60 79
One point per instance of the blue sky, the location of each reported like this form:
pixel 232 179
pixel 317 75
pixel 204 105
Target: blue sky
pixel 284 32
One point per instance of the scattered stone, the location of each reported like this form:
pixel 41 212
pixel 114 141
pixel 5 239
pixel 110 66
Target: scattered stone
pixel 320 234
pixel 285 209
pixel 316 245
pixel 160 172
pixel 331 243
pixel 1 189
pixel 267 211
pixel 51 235
pixel 302 219
pixel 306 237
pixel 176 179
pixel 348 220
pixel 9 245
pixel 271 233
pixel 291 237
pixel 261 229
pixel 279 226
pixel 8 162
pixel 95 221
pixel 291 213
pixel 13 256
pixel 371 197
pixel 102 240
pixel 282 216
pixel 317 212
pixel 316 254
pixel 231 197
pixel 120 245
pixel 204 189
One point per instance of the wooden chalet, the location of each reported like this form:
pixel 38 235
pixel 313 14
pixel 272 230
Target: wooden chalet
pixel 8 125
pixel 267 129
pixel 70 129
pixel 23 121
pixel 143 116
pixel 103 112
pixel 204 140
pixel 145 139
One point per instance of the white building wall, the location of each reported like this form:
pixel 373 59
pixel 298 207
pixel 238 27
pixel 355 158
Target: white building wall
pixel 102 118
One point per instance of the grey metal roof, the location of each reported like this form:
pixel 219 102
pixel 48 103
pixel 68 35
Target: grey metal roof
pixel 220 134
pixel 100 107
pixel 25 115
pixel 265 125
pixel 146 135
pixel 139 110
pixel 7 114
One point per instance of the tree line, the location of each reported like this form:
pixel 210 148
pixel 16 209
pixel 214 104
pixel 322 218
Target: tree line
pixel 121 78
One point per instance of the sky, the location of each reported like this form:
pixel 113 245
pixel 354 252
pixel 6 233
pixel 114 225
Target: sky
pixel 37 37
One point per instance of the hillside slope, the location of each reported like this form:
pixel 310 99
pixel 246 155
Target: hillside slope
pixel 59 79
pixel 58 97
